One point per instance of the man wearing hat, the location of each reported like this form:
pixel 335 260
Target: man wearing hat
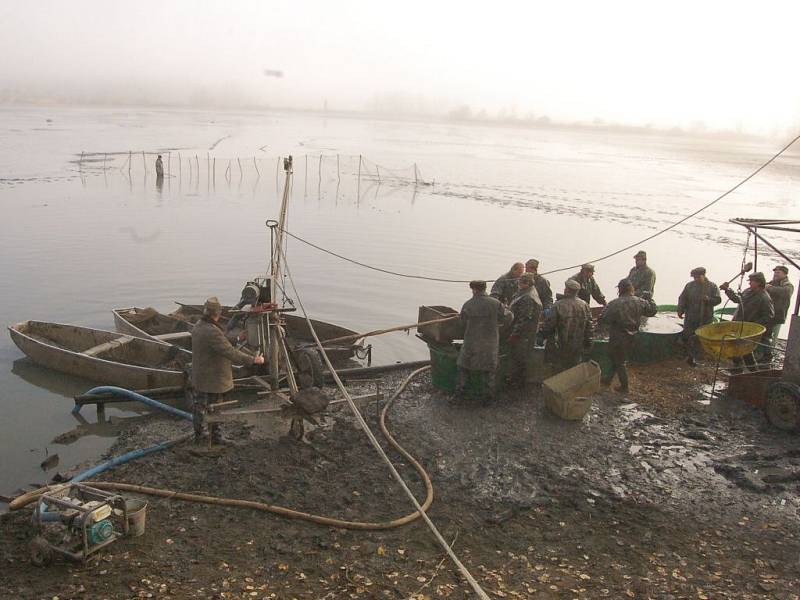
pixel 641 276
pixel 568 328
pixel 481 315
pixel 696 307
pixel 623 316
pixel 755 306
pixel 540 283
pixel 212 357
pixel 781 290
pixel 505 287
pixel 526 308
pixel 589 288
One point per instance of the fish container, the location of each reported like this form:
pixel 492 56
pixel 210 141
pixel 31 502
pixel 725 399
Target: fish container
pixel 137 515
pixel 441 333
pixel 561 392
pixel 752 387
pixel 658 338
pixel 444 370
pixel 729 339
pixel 599 355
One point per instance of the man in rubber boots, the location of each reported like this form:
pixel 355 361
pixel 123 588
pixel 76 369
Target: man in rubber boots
pixel 589 288
pixel 568 329
pixel 781 290
pixel 159 167
pixel 623 316
pixel 755 306
pixel 641 276
pixel 504 287
pixel 212 357
pixel 481 315
pixel 696 307
pixel 526 308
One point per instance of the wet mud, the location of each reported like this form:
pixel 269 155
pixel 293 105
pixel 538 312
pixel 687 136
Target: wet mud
pixel 653 495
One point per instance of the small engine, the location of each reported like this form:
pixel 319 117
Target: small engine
pixel 258 291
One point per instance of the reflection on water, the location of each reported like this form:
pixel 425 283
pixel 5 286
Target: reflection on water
pixel 79 238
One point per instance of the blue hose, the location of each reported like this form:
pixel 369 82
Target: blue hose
pixel 133 454
pixel 118 391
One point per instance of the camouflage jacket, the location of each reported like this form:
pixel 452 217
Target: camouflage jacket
pixel 643 280
pixel 481 316
pixel 754 306
pixel 589 289
pixel 697 302
pixel 543 288
pixel 526 308
pixel 623 315
pixel 570 321
pixel 781 293
pixel 504 288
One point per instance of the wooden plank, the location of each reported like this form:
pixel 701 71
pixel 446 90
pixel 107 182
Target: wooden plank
pixel 110 345
pixel 177 335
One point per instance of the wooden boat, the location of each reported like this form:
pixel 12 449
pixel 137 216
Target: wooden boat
pixel 297 332
pixel 102 356
pixel 148 323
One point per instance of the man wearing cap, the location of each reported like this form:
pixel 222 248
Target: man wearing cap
pixel 481 316
pixel 526 308
pixel 641 276
pixel 212 357
pixel 781 290
pixel 589 288
pixel 540 283
pixel 159 167
pixel 568 328
pixel 505 286
pixel 623 316
pixel 696 307
pixel 755 306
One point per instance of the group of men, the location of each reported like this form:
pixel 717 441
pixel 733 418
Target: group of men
pixel 519 310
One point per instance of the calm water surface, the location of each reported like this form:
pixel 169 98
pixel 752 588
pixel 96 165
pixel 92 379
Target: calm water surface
pixel 78 239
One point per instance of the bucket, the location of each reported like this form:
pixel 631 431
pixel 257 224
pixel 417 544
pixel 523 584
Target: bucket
pixel 137 512
pixel 729 339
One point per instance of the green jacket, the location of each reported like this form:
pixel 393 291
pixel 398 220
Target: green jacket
pixel 570 322
pixel 482 315
pixel 754 306
pixel 781 293
pixel 643 280
pixel 589 289
pixel 504 288
pixel 543 288
pixel 623 315
pixel 212 357
pixel 697 302
pixel 526 308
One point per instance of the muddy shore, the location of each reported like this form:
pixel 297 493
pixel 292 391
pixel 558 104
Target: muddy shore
pixel 652 495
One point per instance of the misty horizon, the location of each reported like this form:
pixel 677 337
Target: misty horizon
pixel 717 66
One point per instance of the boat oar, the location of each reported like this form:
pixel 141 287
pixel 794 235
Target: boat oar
pixel 358 336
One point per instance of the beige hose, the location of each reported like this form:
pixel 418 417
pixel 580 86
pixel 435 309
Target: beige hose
pixel 25 499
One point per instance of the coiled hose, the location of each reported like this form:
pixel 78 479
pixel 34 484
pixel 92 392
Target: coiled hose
pixel 26 499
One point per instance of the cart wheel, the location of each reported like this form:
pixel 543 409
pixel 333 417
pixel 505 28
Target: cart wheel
pixel 309 368
pixel 41 552
pixel 782 406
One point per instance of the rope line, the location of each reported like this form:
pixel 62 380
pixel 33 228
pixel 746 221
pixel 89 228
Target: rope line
pixel 596 260
pixel 379 449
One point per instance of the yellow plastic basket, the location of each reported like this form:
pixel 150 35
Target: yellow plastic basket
pixel 729 339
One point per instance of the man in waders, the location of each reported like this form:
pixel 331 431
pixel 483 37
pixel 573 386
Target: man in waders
pixel 642 277
pixel 212 357
pixel 623 316
pixel 781 290
pixel 505 286
pixel 589 288
pixel 696 307
pixel 568 329
pixel 159 167
pixel 526 308
pixel 540 283
pixel 481 315
pixel 755 306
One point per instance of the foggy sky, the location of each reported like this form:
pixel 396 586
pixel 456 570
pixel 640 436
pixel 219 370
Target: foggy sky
pixel 728 64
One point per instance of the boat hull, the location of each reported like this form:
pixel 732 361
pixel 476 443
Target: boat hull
pixel 133 364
